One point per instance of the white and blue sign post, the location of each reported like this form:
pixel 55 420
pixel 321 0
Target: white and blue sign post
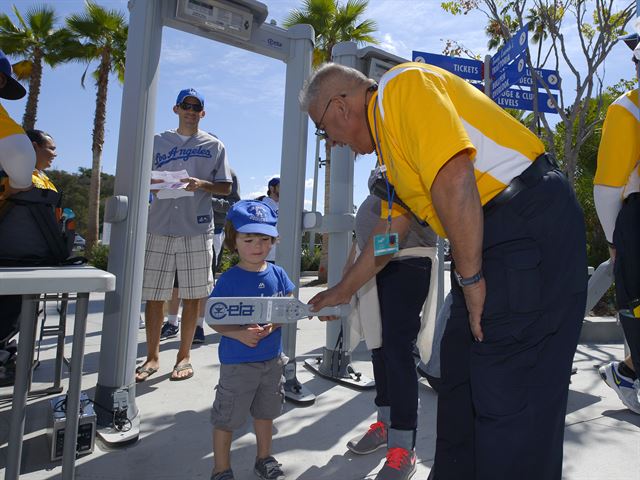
pixel 508 65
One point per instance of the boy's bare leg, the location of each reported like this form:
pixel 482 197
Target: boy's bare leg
pixel 203 304
pixel 629 363
pixel 221 450
pixel 153 324
pixel 264 434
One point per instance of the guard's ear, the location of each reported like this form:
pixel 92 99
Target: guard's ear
pixel 175 109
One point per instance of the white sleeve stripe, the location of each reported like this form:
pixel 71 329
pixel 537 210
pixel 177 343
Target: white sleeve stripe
pixel 500 162
pixel 18 159
pixel 628 105
pixel 608 201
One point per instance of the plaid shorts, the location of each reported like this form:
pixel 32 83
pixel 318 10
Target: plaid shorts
pixel 190 257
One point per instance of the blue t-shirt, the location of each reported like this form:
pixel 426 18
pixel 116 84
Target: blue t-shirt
pixel 236 282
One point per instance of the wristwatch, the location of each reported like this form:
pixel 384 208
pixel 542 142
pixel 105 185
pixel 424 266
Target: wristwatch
pixel 465 282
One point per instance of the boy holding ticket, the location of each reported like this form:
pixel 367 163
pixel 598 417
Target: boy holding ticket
pixel 251 358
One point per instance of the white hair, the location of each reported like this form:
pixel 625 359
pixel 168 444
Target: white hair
pixel 329 75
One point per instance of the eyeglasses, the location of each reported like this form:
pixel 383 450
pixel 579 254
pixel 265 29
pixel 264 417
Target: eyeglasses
pixel 196 107
pixel 321 132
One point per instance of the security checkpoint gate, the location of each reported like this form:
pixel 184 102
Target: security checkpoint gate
pixel 238 23
pixel 335 362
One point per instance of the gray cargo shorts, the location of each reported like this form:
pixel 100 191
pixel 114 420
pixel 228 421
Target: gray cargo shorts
pixel 243 388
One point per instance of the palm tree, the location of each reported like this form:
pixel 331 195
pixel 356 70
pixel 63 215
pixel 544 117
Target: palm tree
pixel 103 37
pixel 332 23
pixel 34 40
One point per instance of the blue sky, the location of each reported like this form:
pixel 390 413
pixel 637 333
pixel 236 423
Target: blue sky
pixel 244 92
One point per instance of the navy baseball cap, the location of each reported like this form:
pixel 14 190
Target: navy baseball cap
pixel 13 90
pixel 189 92
pixel 631 40
pixel 253 216
pixel 274 181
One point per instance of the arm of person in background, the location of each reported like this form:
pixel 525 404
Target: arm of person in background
pixel 217 188
pixel 457 202
pixel 608 202
pixel 17 159
pixel 364 268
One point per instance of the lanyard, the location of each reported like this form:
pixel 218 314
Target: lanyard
pixel 391 191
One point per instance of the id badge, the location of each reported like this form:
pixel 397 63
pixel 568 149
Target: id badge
pixel 385 244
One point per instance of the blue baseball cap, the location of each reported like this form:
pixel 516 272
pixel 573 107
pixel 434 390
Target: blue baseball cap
pixel 13 90
pixel 189 92
pixel 253 216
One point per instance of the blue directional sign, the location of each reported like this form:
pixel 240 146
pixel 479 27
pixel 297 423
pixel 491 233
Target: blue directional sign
pixel 523 100
pixel 511 50
pixel 550 77
pixel 463 67
pixel 510 75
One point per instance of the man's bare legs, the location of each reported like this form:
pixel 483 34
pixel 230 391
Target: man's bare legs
pixel 190 309
pixel 154 317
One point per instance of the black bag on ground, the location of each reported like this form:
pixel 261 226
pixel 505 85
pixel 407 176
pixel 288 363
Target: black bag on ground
pixel 31 233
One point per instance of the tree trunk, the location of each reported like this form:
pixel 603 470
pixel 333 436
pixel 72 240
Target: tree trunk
pixel 323 271
pixel 96 150
pixel 35 80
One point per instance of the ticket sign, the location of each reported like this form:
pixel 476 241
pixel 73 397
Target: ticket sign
pixel 523 100
pixel 463 67
pixel 514 48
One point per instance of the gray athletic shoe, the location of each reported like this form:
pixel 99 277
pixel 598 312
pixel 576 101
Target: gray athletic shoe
pixel 268 469
pixel 375 438
pixel 226 475
pixel 400 465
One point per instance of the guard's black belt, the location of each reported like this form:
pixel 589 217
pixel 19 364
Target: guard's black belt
pixel 532 175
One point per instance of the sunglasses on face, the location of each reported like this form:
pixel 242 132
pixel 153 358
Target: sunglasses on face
pixel 196 107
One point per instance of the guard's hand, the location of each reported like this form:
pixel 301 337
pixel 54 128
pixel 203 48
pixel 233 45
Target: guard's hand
pixel 329 298
pixel 474 296
pixel 193 183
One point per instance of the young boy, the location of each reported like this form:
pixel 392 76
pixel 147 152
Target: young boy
pixel 251 356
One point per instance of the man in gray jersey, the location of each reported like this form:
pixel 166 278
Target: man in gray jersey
pixel 180 229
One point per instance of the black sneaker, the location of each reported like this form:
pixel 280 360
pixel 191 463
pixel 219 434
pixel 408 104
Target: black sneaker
pixel 168 331
pixel 226 475
pixel 198 335
pixel 268 469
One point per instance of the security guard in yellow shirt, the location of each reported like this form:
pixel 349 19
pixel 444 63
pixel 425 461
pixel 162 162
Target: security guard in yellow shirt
pixel 616 194
pixel 519 281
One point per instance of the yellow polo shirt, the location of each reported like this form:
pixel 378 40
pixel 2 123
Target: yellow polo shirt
pixel 422 116
pixel 619 151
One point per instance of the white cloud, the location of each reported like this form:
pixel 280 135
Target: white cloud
pixel 308 183
pixel 253 195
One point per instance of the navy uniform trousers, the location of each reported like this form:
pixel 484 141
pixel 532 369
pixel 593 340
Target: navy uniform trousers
pixel 502 403
pixel 626 239
pixel 403 286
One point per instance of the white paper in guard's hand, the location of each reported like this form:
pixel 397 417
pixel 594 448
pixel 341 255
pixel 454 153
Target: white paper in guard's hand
pixel 168 180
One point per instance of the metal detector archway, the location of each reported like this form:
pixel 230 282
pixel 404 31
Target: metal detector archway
pixel 238 23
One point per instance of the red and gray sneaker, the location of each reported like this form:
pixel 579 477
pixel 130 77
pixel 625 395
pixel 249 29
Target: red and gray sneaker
pixel 375 438
pixel 400 465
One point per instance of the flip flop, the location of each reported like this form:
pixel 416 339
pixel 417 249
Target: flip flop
pixel 181 368
pixel 147 371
